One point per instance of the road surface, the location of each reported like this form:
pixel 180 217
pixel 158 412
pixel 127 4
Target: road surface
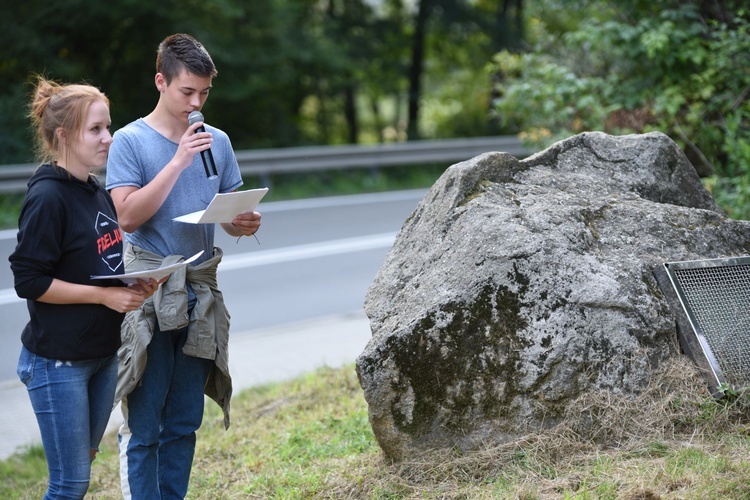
pixel 315 260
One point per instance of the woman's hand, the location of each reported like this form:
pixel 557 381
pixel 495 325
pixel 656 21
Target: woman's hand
pixel 147 288
pixel 121 299
pixel 130 298
pixel 118 298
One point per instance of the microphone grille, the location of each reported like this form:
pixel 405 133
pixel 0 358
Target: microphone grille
pixel 195 116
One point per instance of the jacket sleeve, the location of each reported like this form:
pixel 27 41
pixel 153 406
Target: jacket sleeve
pixel 40 234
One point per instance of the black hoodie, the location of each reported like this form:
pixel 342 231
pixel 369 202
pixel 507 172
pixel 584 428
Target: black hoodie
pixel 67 230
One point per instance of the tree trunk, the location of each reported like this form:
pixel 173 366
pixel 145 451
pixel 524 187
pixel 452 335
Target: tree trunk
pixel 350 112
pixel 376 118
pixel 508 35
pixel 416 69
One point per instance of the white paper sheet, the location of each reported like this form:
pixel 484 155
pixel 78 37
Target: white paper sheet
pixel 157 274
pixel 225 207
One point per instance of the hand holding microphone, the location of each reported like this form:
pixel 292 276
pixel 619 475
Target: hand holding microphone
pixel 208 159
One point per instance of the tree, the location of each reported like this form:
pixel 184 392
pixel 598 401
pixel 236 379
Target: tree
pixel 291 72
pixel 509 31
pixel 462 35
pixel 635 66
pixel 424 10
pixel 46 37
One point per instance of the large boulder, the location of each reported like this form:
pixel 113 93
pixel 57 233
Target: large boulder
pixel 516 286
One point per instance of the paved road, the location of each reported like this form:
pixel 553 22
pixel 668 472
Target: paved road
pixel 316 258
pixel 295 299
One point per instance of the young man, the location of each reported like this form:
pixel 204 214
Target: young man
pixel 175 346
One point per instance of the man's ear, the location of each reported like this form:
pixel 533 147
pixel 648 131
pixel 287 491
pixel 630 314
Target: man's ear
pixel 161 82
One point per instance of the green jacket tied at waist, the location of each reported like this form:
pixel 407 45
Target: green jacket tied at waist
pixel 208 325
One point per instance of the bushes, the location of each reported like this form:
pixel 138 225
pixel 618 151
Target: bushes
pixel 662 65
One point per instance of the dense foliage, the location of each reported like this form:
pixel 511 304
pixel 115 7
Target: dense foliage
pixel 299 72
pixel 291 72
pixel 679 67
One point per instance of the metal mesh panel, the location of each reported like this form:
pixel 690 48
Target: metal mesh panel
pixel 716 297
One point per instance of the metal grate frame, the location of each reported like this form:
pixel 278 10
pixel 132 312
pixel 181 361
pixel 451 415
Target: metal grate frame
pixel 714 295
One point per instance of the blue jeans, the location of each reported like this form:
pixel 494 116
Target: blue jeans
pixel 72 401
pixel 161 415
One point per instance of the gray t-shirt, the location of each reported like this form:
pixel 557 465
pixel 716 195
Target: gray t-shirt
pixel 137 155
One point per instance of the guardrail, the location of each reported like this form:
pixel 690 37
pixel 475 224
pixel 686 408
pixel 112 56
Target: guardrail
pixel 264 162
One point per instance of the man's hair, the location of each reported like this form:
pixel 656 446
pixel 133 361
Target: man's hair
pixel 181 51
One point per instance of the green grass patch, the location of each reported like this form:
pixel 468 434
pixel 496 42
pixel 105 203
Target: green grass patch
pixel 10 206
pixel 24 474
pixel 311 438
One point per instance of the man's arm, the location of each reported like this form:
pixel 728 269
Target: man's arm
pixel 137 205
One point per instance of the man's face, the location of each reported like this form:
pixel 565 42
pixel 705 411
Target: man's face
pixel 186 93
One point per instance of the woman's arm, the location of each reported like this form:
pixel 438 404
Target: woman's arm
pixel 117 298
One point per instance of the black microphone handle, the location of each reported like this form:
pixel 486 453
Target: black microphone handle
pixel 213 173
pixel 211 161
pixel 205 164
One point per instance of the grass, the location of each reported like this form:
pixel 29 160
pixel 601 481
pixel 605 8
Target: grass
pixel 310 438
pixel 10 205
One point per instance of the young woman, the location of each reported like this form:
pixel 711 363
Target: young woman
pixel 67 233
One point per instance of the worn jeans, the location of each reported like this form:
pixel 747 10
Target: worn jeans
pixel 161 416
pixel 72 401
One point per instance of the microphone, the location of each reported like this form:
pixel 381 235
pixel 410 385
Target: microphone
pixel 206 156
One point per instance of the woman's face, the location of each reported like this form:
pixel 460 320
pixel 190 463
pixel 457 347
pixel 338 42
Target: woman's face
pixel 92 147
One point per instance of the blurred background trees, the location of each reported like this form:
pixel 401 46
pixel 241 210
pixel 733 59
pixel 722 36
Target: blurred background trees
pixel 304 72
pixel 681 67
pixel 291 72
